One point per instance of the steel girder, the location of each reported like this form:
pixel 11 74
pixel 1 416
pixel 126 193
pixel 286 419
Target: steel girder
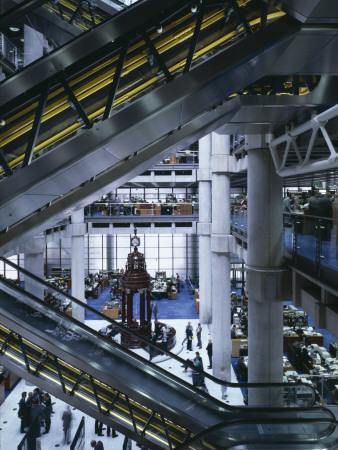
pixel 151 119
pixel 88 43
pixel 306 163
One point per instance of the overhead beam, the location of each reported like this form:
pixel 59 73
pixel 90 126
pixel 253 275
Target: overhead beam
pixel 86 44
pixel 194 38
pixel 18 11
pixel 36 127
pixel 116 81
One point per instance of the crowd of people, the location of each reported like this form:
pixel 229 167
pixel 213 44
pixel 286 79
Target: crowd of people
pixel 314 204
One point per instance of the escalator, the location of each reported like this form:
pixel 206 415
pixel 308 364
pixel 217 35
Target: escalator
pixel 114 101
pixel 117 386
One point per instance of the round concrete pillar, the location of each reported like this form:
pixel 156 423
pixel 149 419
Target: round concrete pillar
pixel 221 244
pixel 264 275
pixel 204 229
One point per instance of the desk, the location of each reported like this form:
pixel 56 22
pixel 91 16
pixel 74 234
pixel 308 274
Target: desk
pixel 236 345
pixel 316 339
pixel 112 313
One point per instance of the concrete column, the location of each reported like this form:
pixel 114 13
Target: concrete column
pixel 34 262
pixel 221 246
pixel 204 229
pixel 77 230
pixel 264 277
pixel 34 43
pixel 110 251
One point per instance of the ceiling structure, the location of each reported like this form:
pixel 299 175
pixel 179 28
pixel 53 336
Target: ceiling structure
pixel 244 67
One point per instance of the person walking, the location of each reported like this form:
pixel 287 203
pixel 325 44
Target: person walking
pixel 99 428
pixel 209 351
pixel 67 418
pixel 97 445
pixel 113 432
pixel 198 335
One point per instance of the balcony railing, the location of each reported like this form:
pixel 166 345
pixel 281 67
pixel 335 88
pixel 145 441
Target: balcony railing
pixel 10 53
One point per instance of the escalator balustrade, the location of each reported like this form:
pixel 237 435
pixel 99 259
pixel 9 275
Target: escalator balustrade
pixel 118 387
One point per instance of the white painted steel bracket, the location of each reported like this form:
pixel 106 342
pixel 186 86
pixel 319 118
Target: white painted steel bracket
pixel 305 165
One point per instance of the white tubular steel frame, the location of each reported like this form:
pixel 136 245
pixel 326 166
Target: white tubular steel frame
pixel 303 166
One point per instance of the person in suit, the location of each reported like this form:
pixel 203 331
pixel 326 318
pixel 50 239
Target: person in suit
pixel 198 335
pixel 67 418
pixel 97 445
pixel 47 403
pixel 36 418
pixel 209 351
pixel 23 412
pixel 241 370
pixel 99 427
pixel 189 336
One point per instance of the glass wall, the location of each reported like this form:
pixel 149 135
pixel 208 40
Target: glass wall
pixel 172 253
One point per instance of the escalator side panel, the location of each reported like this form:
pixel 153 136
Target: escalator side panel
pixel 105 361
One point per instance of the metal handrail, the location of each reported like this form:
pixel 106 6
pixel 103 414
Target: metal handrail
pixel 142 339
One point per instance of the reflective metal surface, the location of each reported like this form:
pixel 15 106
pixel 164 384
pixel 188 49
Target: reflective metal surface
pixel 185 109
pixel 87 354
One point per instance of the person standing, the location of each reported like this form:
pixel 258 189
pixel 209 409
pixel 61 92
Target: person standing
pixel 67 418
pixel 209 351
pixel 178 283
pixel 113 432
pixel 97 445
pixel 189 336
pixel 47 402
pixel 23 412
pixel 241 370
pixel 155 311
pixel 198 335
pixel 36 417
pixel 98 427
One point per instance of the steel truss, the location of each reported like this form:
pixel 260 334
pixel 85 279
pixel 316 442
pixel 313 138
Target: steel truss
pixel 286 146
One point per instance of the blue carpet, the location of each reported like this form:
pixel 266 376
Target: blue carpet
pixel 97 302
pixel 182 308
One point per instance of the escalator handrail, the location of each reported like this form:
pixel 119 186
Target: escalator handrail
pixel 218 403
pixel 133 333
pixel 271 421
